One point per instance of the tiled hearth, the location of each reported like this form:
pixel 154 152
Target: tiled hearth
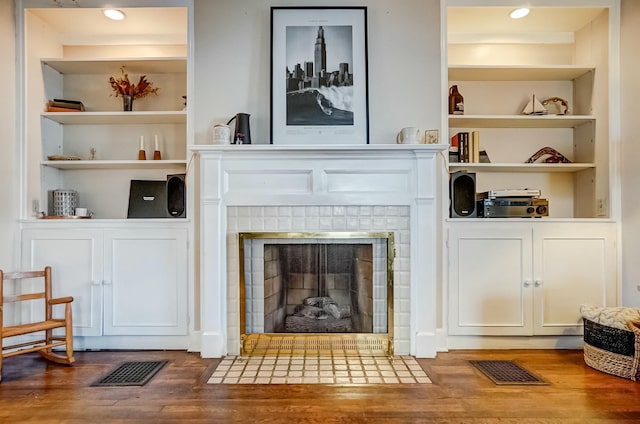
pixel 262 188
pixel 341 370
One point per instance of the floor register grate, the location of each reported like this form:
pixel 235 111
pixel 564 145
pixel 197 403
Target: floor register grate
pixel 507 372
pixel 131 374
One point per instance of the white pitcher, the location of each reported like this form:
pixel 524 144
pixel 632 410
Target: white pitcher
pixel 408 135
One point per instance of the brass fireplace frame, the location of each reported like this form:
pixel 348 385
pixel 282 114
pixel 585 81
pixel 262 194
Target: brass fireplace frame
pixel 300 344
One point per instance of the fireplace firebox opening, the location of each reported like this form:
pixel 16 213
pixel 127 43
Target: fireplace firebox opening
pixel 305 292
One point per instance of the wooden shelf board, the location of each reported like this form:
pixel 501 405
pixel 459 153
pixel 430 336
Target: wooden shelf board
pixel 517 73
pixel 149 65
pixel 89 118
pixel 114 164
pixel 134 222
pixel 518 121
pixel 522 167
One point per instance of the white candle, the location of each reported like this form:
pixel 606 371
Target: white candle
pixel 141 142
pixel 156 137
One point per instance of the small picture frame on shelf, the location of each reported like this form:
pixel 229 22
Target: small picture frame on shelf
pixel 431 137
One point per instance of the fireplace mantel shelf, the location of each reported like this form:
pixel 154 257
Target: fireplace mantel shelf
pixel 319 148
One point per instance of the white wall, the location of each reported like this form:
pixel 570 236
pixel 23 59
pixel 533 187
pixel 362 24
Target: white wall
pixel 8 156
pixel 630 151
pixel 232 64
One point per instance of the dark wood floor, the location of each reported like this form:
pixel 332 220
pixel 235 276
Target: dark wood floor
pixel 35 391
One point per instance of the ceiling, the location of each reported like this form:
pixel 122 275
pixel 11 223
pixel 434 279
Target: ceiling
pixel 86 26
pixel 486 24
pixel 168 25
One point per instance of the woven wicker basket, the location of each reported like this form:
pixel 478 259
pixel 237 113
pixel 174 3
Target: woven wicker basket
pixel 613 350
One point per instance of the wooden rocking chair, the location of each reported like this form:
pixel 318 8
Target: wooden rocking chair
pixel 44 346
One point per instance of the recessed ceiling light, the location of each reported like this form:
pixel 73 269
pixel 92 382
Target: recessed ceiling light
pixel 519 13
pixel 114 14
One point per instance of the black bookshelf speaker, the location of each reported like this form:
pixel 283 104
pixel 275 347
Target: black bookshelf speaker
pixel 176 196
pixel 462 192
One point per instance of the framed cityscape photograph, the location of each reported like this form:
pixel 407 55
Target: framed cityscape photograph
pixel 319 89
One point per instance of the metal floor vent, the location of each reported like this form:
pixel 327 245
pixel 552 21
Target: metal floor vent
pixel 507 372
pixel 131 374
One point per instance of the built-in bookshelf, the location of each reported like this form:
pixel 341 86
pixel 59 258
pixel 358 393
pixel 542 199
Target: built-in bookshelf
pixel 509 137
pixel 102 142
pixel 501 249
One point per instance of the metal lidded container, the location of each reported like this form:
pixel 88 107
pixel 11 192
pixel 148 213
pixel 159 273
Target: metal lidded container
pixel 64 202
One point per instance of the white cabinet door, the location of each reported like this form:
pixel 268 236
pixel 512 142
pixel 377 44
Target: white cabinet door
pixel 574 263
pixel 75 256
pixel 514 278
pixel 145 282
pixel 490 279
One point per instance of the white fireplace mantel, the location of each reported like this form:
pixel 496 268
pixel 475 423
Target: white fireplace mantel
pixel 310 176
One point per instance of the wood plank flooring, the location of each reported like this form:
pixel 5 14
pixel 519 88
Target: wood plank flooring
pixel 33 390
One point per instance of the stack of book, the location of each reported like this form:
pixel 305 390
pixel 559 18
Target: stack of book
pixel 467 146
pixel 62 105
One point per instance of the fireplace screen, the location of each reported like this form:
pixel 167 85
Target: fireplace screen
pixel 318 288
pixel 300 283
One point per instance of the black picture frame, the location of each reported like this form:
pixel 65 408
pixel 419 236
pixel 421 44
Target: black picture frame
pixel 319 76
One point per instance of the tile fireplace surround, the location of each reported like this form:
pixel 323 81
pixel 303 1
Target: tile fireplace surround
pixel 268 188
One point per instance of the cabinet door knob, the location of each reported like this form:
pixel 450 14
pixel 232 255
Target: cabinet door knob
pixel 106 282
pixel 538 283
pixel 96 282
pixel 527 283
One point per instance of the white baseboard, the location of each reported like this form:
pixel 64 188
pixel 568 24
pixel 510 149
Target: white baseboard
pixel 513 342
pixel 425 345
pixel 441 340
pixel 211 345
pixel 195 342
pixel 130 342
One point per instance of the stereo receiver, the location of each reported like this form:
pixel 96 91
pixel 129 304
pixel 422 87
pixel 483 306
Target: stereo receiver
pixel 513 207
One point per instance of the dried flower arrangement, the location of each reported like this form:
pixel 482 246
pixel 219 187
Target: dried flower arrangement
pixel 123 87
